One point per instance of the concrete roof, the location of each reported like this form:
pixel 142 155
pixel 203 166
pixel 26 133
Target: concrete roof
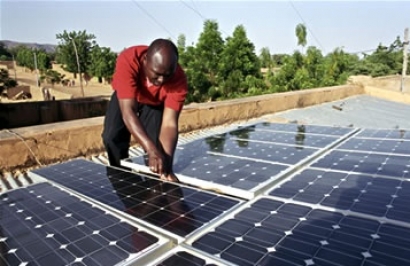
pixel 361 111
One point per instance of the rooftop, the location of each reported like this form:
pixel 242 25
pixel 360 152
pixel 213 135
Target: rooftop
pixel 323 184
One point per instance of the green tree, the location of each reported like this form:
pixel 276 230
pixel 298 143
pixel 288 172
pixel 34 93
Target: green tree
pixel 102 63
pixel 238 61
pixel 266 58
pixel 73 44
pixel 5 54
pixel 5 81
pixel 51 77
pixel 202 63
pixel 301 34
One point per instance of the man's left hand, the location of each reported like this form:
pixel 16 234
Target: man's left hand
pixel 169 177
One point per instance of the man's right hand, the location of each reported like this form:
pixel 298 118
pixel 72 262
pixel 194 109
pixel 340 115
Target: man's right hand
pixel 156 161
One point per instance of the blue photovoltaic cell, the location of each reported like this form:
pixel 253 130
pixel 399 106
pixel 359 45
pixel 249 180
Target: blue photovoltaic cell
pixel 366 162
pixel 177 209
pixel 270 232
pixel 381 197
pixel 309 129
pixel 300 139
pixel 227 171
pixel 43 225
pixel 377 145
pixel 271 152
pixel 385 134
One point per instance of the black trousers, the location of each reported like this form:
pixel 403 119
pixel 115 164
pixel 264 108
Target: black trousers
pixel 115 135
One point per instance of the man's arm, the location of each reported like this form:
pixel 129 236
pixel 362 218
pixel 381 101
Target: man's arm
pixel 128 110
pixel 169 138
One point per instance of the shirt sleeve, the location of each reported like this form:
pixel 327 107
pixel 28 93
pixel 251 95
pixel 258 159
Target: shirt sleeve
pixel 125 77
pixel 177 91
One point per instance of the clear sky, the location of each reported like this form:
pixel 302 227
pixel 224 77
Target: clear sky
pixel 352 25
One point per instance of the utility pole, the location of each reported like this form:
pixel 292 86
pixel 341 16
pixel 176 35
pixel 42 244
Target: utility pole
pixel 14 67
pixel 35 66
pixel 78 66
pixel 405 58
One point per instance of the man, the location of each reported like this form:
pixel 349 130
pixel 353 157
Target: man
pixel 149 92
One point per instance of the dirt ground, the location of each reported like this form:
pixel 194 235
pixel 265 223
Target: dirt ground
pixel 60 92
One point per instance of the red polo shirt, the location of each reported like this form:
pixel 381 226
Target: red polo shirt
pixel 130 81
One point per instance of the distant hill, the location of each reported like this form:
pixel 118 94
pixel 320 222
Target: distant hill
pixel 49 48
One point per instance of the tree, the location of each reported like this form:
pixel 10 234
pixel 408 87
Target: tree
pixel 301 34
pixel 102 63
pixel 238 61
pixel 66 50
pixel 5 81
pixel 266 58
pixel 202 62
pixel 51 77
pixel 5 54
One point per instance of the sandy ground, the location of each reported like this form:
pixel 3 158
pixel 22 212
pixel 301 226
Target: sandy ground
pixel 26 77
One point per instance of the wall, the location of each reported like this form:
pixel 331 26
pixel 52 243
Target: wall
pixel 22 114
pixel 29 146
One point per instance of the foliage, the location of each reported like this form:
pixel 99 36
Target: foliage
pixel 202 62
pixel 102 63
pixel 4 53
pixel 32 58
pixel 5 81
pixel 74 50
pixel 238 61
pixel 51 77
pixel 301 34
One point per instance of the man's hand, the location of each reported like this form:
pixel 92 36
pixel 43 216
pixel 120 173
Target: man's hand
pixel 169 177
pixel 156 161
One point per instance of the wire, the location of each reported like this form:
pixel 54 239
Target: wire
pixel 304 22
pixel 154 19
pixel 199 14
pixel 25 143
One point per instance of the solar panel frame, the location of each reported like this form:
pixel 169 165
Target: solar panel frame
pixel 391 134
pixel 309 128
pixel 59 232
pixel 151 223
pixel 200 257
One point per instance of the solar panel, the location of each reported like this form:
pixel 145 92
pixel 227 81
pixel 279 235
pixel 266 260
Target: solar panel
pixel 175 209
pixel 269 152
pixel 313 129
pixel 299 139
pixel 271 232
pixel 230 175
pixel 400 147
pixel 381 197
pixel 385 134
pixel 366 162
pixel 44 225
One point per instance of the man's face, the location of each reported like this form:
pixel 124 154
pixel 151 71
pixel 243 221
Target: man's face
pixel 157 71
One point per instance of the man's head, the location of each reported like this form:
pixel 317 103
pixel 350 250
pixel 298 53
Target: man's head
pixel 160 61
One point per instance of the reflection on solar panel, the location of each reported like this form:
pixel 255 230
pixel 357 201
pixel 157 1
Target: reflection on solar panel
pixel 249 150
pixel 381 197
pixel 186 256
pixel 313 129
pixel 44 225
pixel 300 138
pixel 385 134
pixel 366 162
pixel 270 232
pixel 377 145
pixel 176 209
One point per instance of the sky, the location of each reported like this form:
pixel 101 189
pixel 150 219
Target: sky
pixel 354 26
